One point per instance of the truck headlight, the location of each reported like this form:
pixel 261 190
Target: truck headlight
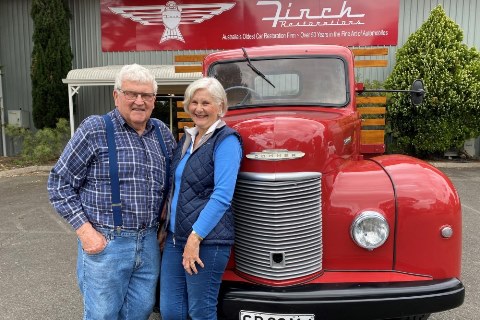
pixel 370 230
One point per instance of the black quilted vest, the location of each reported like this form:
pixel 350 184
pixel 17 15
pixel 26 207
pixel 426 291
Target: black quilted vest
pixel 196 187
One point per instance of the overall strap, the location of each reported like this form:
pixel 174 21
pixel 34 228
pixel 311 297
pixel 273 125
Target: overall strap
pixel 167 162
pixel 114 181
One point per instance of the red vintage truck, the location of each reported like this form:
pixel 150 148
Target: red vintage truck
pixel 324 231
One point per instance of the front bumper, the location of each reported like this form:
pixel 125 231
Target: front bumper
pixel 343 301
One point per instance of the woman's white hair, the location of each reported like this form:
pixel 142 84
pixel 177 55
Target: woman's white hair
pixel 136 73
pixel 214 87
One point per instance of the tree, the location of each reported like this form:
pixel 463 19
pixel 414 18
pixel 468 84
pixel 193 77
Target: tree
pixel 450 113
pixel 51 61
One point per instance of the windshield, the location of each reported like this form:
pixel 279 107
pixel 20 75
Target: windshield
pixel 287 81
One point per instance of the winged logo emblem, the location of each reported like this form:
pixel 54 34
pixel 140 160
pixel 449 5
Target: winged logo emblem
pixel 171 15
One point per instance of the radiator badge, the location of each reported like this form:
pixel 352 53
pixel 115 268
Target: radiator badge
pixel 275 155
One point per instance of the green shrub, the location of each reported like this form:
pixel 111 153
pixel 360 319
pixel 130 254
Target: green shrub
pixel 450 113
pixel 43 146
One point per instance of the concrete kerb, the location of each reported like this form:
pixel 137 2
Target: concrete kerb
pixel 454 164
pixel 46 169
pixel 26 170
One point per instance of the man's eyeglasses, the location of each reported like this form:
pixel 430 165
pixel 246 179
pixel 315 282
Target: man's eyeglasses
pixel 132 95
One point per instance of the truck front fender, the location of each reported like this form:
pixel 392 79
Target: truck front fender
pixel 426 203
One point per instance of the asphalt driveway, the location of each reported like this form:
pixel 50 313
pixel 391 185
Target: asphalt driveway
pixel 38 250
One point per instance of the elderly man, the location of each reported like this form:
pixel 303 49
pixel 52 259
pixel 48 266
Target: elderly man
pixel 109 184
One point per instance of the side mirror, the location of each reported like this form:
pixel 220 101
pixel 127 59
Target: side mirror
pixel 417 93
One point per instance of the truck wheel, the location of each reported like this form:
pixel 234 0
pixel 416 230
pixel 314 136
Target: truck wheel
pixel 415 317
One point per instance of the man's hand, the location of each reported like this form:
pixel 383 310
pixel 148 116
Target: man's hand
pixel 92 240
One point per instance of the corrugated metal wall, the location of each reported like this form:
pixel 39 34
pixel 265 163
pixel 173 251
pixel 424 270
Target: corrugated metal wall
pixel 16 29
pixel 413 14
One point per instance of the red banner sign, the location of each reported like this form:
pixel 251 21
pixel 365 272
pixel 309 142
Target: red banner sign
pixel 143 25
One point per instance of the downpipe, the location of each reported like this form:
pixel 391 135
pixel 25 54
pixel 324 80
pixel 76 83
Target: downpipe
pixel 2 116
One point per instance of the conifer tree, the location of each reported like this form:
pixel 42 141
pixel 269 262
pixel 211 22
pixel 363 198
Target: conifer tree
pixel 51 61
pixel 450 70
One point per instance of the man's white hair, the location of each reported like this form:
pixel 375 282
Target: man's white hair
pixel 136 73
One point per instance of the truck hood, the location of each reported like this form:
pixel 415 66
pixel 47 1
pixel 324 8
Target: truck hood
pixel 283 141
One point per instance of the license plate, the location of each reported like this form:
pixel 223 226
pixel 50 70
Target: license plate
pixel 253 315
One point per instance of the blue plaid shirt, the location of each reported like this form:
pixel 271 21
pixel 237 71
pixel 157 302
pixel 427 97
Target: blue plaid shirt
pixel 79 184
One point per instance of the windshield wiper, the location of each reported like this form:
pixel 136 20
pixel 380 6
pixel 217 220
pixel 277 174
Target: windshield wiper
pixel 255 69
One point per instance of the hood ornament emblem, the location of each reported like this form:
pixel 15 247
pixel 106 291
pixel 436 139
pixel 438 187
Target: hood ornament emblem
pixel 275 155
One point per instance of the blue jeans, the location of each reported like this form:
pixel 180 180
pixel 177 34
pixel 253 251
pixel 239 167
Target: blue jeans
pixel 194 295
pixel 120 282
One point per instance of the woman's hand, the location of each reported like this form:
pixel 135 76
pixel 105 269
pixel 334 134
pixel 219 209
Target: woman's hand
pixel 191 254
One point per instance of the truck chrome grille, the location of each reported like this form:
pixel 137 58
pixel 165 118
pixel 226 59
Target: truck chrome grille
pixel 278 224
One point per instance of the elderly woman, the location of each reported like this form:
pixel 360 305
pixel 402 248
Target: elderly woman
pixel 200 230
